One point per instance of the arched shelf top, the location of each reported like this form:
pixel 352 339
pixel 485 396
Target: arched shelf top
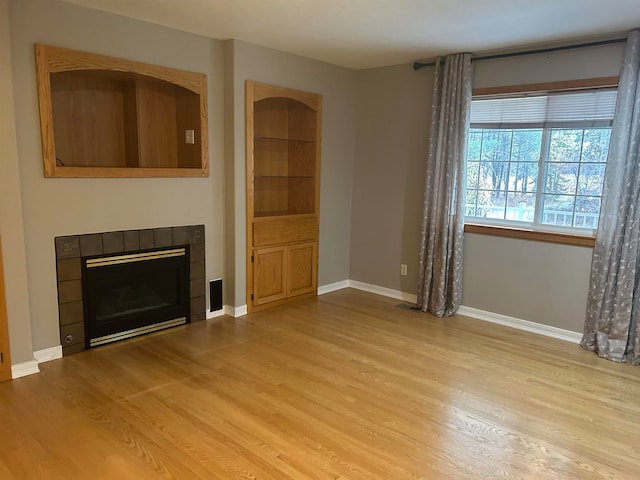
pixel 52 59
pixel 263 91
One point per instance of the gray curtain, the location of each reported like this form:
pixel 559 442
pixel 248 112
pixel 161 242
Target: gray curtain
pixel 611 327
pixel 440 268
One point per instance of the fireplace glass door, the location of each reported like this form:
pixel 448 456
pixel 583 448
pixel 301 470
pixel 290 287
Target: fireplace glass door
pixel 127 295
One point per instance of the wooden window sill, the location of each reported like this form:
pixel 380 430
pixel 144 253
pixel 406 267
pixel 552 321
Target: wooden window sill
pixel 523 234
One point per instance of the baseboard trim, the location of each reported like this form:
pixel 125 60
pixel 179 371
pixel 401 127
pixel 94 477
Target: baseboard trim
pixel 387 292
pixel 497 318
pixel 332 287
pixel 25 368
pixel 48 354
pixel 217 313
pixel 235 312
pixel 520 324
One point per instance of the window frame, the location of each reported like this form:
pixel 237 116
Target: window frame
pixel 513 230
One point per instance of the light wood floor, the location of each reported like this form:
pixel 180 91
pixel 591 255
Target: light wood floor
pixel 348 386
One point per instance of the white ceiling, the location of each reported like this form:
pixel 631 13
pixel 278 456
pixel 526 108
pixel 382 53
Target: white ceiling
pixel 373 33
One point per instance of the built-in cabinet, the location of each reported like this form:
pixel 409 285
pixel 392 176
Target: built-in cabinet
pixel 109 117
pixel 283 179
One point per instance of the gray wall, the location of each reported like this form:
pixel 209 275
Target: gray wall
pixel 393 123
pixel 60 206
pixel 544 283
pixel 337 86
pixel 11 223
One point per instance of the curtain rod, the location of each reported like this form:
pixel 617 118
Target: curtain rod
pixel 418 65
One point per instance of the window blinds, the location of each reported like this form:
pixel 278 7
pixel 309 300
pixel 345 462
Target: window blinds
pixel 593 108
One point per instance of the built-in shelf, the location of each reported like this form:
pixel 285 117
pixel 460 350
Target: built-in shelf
pixel 283 171
pixel 107 117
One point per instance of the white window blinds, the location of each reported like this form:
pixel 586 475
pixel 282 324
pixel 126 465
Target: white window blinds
pixel 593 108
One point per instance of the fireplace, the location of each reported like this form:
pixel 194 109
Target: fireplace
pixel 150 279
pixel 128 295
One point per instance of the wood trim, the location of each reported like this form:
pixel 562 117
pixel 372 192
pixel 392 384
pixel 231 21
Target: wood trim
pixel 319 103
pixel 204 127
pixel 5 364
pixel 523 234
pixel 260 91
pixel 57 59
pixel 249 171
pixel 46 111
pixel 600 82
pixel 124 172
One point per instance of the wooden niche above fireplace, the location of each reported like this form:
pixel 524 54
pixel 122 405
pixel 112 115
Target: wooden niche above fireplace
pixel 108 117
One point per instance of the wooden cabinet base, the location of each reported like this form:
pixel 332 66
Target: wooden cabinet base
pixel 283 272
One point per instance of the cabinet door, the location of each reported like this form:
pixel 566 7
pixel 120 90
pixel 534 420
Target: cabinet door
pixel 268 275
pixel 301 269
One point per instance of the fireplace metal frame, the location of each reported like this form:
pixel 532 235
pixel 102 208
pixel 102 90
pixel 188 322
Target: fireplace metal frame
pixel 183 307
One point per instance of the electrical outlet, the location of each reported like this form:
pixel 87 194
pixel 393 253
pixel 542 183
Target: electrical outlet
pixel 189 136
pixel 403 269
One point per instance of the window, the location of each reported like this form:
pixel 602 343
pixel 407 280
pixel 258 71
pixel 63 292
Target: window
pixel 538 161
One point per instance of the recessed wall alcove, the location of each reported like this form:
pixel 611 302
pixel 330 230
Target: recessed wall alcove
pixel 73 250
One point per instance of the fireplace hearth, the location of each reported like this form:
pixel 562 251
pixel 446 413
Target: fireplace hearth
pixel 146 280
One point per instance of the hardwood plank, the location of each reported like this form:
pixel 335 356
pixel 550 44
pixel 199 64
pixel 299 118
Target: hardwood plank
pixel 346 385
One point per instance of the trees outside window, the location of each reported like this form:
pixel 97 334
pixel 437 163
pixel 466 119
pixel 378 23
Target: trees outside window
pixel 549 175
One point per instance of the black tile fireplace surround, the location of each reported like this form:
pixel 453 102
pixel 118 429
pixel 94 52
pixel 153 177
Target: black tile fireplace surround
pixel 74 251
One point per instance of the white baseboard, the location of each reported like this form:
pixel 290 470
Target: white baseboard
pixel 387 292
pixel 48 354
pixel 217 313
pixel 518 323
pixel 526 325
pixel 235 312
pixel 332 287
pixel 25 368
pixel 39 356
